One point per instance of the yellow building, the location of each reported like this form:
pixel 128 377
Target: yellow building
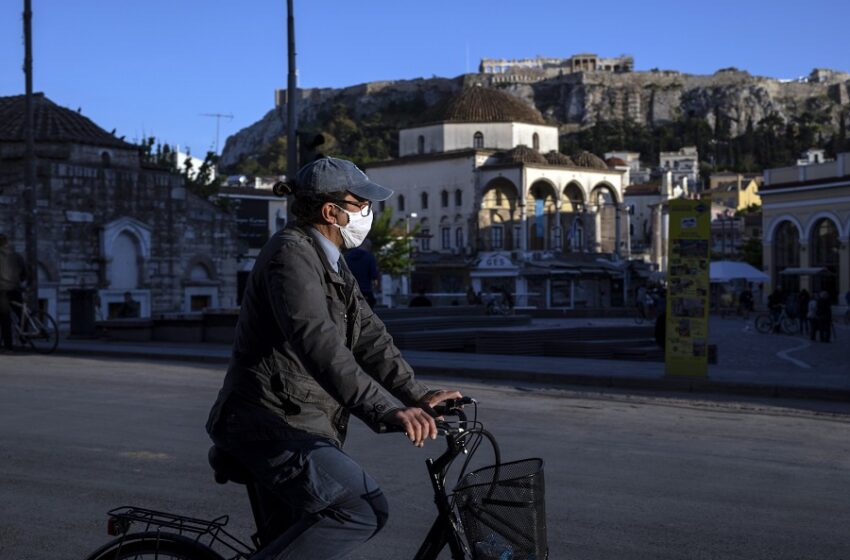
pixel 733 191
pixel 806 216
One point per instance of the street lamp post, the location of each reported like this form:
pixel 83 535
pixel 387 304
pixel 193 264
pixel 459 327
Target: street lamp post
pixel 407 218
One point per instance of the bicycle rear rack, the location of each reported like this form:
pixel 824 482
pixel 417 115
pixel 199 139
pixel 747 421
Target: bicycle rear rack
pixel 199 530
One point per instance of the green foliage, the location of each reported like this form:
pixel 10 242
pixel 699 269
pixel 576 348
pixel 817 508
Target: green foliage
pixel 771 142
pixel 392 244
pixel 202 184
pixel 751 252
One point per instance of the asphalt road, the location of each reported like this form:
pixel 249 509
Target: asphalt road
pixel 643 477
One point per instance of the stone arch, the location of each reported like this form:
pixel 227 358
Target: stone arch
pixel 599 188
pixel 500 204
pixel 541 214
pixel 785 252
pixel 605 202
pixel 573 195
pixel 816 218
pixel 140 231
pixel 771 229
pixel 824 245
pixel 198 263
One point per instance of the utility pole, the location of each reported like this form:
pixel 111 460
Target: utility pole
pixel 291 98
pixel 218 117
pixel 30 194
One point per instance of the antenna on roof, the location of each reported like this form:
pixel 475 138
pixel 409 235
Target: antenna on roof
pixel 218 117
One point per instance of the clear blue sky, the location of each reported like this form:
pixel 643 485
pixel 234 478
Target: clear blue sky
pixel 152 66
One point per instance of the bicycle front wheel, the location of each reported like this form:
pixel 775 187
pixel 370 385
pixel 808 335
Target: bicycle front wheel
pixel 789 326
pixel 42 334
pixel 763 324
pixel 154 546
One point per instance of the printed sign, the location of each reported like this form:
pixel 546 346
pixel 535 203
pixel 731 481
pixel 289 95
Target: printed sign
pixel 688 288
pixel 252 221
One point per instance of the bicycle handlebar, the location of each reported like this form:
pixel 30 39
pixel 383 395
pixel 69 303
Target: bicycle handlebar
pixel 449 407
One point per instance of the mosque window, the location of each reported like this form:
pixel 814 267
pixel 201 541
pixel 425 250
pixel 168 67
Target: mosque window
pixel 420 144
pixel 401 203
pixel 424 201
pixel 458 197
pixel 444 199
pixel 478 140
pixel 535 142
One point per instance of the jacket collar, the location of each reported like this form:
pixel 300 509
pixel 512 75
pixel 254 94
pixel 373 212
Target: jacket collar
pixel 310 233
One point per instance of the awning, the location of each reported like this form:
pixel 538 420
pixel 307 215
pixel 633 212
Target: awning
pixel 806 271
pixel 725 271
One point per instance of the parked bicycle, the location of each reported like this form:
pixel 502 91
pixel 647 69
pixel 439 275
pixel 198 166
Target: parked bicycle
pixel 770 322
pixel 496 512
pixel 37 329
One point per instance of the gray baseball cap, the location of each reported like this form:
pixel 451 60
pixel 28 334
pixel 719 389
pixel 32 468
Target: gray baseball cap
pixel 329 174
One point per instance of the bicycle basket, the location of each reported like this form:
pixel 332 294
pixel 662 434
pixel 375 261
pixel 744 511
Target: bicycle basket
pixel 502 510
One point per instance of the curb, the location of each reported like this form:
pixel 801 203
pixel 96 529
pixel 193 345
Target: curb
pixel 674 384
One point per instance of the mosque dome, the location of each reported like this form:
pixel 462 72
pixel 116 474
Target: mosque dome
pixel 484 104
pixel 523 154
pixel 587 159
pixel 557 158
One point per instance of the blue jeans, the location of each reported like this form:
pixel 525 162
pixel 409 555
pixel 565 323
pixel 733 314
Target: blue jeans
pixel 334 505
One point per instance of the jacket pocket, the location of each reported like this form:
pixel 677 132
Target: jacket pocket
pixel 298 387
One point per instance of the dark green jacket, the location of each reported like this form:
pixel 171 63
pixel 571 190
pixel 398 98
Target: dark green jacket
pixel 308 351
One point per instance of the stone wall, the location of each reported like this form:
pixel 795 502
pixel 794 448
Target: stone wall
pixel 81 202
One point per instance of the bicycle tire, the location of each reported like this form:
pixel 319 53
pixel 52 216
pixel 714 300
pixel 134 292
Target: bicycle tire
pixel 154 546
pixel 763 324
pixel 47 342
pixel 789 326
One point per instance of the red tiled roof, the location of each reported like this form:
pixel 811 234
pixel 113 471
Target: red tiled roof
pixel 53 123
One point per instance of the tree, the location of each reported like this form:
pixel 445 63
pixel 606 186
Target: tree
pixel 392 244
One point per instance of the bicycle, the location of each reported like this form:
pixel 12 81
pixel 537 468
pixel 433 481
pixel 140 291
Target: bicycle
pixel 38 330
pixel 766 322
pixel 493 512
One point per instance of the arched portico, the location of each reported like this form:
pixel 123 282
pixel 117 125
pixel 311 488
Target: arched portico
pixel 604 206
pixel 500 211
pixel 541 207
pixel 572 217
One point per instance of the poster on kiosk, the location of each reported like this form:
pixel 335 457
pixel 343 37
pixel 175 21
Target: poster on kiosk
pixel 689 252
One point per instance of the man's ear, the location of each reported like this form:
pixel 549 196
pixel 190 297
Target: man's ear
pixel 329 213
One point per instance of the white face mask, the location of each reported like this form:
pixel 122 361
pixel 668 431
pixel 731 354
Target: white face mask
pixel 355 232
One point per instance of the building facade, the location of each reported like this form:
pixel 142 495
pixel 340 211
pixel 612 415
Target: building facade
pixel 111 222
pixel 496 205
pixel 806 213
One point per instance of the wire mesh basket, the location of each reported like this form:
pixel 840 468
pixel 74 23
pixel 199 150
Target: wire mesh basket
pixel 502 510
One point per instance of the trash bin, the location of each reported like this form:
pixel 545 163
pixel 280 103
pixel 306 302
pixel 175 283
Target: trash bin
pixel 83 312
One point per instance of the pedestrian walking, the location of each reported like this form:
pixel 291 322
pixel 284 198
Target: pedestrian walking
pixel 812 315
pixel 803 310
pixel 13 273
pixel 824 316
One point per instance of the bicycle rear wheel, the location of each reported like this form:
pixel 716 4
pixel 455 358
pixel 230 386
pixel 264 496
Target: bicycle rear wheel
pixel 763 324
pixel 154 546
pixel 42 334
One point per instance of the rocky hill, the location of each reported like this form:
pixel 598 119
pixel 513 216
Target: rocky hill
pixel 371 113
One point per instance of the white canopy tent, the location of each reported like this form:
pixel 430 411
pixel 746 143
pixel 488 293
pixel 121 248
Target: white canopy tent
pixel 726 271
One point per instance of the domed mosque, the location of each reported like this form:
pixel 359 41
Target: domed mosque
pixel 498 205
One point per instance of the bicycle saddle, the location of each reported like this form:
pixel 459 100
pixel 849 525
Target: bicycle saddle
pixel 227 468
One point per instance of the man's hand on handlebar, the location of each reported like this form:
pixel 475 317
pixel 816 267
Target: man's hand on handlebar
pixel 432 399
pixel 418 421
pixel 417 424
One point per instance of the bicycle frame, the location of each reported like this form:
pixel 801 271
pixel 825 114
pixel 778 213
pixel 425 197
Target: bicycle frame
pixel 444 531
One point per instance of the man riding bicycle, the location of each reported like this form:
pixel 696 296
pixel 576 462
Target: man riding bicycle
pixel 308 352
